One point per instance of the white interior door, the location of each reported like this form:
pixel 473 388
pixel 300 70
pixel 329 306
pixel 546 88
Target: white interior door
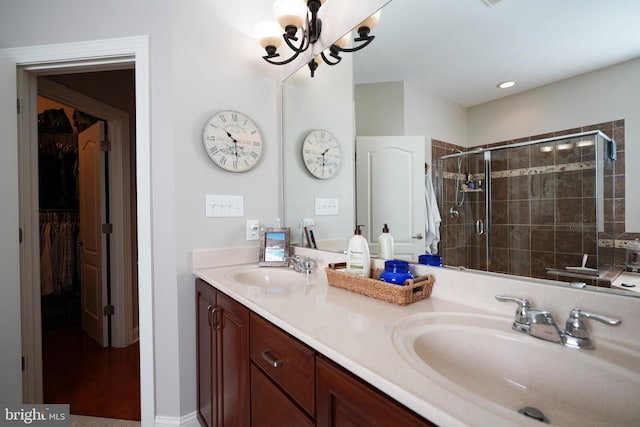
pixel 10 356
pixel 390 190
pixel 91 175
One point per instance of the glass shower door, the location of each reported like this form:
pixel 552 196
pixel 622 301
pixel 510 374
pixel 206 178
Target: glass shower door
pixel 542 208
pixel 464 231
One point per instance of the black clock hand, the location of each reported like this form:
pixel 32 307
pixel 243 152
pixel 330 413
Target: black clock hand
pixel 230 136
pixel 235 143
pixel 324 160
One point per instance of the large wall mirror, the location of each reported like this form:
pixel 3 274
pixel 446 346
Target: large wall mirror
pixel 401 85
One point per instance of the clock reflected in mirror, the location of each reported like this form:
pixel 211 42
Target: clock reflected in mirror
pixel 321 154
pixel 232 141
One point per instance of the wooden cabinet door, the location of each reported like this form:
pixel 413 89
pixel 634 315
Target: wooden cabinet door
pixel 222 359
pixel 233 363
pixel 205 301
pixel 270 407
pixel 345 401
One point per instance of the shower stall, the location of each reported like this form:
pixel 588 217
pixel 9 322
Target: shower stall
pixel 531 209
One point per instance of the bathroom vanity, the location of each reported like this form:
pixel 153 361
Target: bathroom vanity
pixel 251 372
pixel 278 348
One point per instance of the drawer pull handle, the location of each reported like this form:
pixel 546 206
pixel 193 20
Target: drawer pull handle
pixel 213 319
pixel 266 355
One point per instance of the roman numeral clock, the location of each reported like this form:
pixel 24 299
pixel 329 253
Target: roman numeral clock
pixel 232 141
pixel 321 154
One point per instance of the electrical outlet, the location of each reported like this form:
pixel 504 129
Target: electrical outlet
pixel 253 229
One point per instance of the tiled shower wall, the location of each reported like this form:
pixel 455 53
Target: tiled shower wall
pixel 543 207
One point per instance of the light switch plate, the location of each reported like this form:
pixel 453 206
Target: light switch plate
pixel 224 206
pixel 326 206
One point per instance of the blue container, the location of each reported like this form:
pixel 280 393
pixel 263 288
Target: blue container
pixel 428 259
pixel 396 272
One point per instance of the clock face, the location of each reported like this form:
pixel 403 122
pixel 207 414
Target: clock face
pixel 232 141
pixel 321 154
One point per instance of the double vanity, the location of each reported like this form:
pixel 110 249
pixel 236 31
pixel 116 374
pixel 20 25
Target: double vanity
pixel 278 347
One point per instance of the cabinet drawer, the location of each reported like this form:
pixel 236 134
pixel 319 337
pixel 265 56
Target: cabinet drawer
pixel 287 361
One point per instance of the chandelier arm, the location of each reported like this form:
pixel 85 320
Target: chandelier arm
pixel 367 40
pixel 333 55
pixel 268 58
pixel 304 43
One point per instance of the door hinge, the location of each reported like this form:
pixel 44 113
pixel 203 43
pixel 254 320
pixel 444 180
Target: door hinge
pixel 108 310
pixel 105 145
pixel 24 364
pixel 107 228
pixel 18 105
pixel 19 234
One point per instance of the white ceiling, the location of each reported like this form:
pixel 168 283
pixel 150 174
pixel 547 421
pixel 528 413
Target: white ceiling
pixel 461 49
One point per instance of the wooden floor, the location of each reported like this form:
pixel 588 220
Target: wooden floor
pixel 93 381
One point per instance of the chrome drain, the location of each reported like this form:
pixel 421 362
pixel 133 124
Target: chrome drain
pixel 535 413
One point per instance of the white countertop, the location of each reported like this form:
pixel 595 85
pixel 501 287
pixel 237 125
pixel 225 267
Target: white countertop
pixel 627 281
pixel 355 331
pixel 352 330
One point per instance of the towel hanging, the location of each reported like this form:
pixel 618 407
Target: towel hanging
pixel 432 218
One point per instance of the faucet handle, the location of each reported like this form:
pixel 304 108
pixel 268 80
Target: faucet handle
pixel 309 264
pixel 521 322
pixel 576 333
pixel 575 325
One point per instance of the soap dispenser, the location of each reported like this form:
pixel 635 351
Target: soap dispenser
pixel 358 257
pixel 385 244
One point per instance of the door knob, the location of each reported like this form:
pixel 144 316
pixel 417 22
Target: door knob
pixel 418 236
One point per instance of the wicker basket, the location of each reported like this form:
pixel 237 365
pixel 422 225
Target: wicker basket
pixel 413 289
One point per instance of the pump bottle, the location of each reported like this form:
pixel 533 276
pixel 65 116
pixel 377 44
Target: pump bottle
pixel 358 257
pixel 385 244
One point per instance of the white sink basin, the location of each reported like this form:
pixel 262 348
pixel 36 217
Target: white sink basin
pixel 273 280
pixel 483 360
pixel 267 276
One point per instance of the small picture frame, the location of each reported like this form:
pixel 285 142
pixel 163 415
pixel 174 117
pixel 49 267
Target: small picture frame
pixel 274 246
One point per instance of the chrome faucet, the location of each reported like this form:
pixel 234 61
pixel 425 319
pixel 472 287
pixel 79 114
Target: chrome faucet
pixel 541 324
pixel 301 264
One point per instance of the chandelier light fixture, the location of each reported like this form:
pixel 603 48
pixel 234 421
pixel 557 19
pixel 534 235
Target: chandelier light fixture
pixel 302 28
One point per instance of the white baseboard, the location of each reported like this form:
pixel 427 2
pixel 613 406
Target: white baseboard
pixel 189 420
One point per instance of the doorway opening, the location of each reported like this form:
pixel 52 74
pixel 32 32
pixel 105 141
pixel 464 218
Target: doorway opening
pixel 89 295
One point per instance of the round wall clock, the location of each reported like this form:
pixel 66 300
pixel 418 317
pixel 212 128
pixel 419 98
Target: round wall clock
pixel 232 141
pixel 321 154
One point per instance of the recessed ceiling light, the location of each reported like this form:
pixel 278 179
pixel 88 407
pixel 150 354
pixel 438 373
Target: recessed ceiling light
pixel 505 85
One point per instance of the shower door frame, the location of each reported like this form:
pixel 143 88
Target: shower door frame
pixel 610 153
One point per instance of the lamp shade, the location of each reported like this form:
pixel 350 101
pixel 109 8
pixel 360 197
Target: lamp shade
pixel 344 40
pixel 269 33
pixel 371 21
pixel 290 12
